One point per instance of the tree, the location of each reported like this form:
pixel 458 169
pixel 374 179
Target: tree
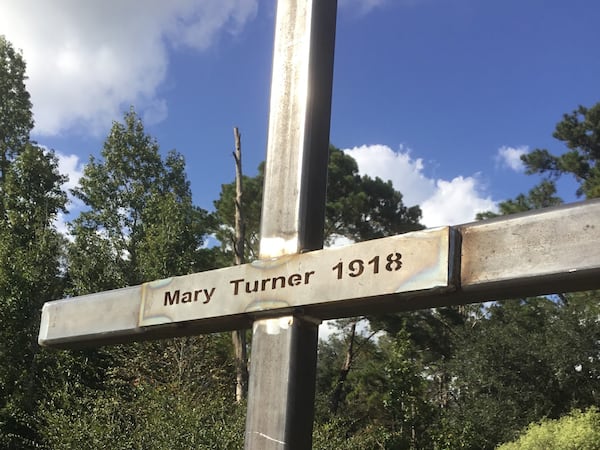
pixel 31 253
pixel 16 119
pixel 573 346
pixel 225 216
pixel 358 208
pixel 541 196
pixel 141 223
pixel 362 208
pixel 521 361
pixel 159 417
pixel 580 132
pixel 31 266
pixel 560 333
pixel 527 359
pixel 503 377
pixel 238 337
pixel 383 403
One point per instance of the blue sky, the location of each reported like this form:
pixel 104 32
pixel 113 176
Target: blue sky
pixel 440 96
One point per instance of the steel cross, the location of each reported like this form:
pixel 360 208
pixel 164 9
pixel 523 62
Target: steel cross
pixel 294 285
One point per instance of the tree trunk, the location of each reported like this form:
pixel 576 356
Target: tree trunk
pixel 338 393
pixel 239 336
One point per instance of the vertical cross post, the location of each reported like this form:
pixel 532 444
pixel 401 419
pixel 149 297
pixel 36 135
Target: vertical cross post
pixel 284 349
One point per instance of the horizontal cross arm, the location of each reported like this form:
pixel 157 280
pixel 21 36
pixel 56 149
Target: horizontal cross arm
pixel 542 252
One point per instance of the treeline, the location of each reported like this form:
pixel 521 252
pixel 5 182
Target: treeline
pixel 467 377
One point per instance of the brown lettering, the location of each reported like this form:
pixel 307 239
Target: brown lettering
pixel 172 299
pixel 307 276
pixel 295 279
pixel 274 283
pixel 263 286
pixel 236 285
pixel 254 289
pixel 208 295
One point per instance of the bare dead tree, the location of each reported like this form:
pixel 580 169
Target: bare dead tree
pixel 239 336
pixel 353 348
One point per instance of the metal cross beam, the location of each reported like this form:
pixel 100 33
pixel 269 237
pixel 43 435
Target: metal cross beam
pixel 541 252
pixel 283 362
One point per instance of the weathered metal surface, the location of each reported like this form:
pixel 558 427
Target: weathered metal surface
pixel 284 358
pixel 298 138
pixel 406 263
pixel 543 252
pixel 553 250
pixel 411 263
pixel 279 414
pixel 91 319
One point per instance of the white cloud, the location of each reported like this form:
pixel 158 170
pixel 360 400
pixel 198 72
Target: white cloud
pixel 338 241
pixel 442 202
pixel 331 328
pixel 88 60
pixel 362 6
pixel 455 202
pixel 511 157
pixel 61 225
pixel 71 166
pixel 405 172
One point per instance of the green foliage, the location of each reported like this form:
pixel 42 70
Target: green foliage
pixel 171 394
pixel 464 377
pixel 225 215
pixel 541 196
pixel 141 223
pixel 16 119
pixel 358 208
pixel 200 363
pixel 31 252
pixel 152 417
pixel 362 208
pixel 575 431
pixel 383 402
pixel 522 361
pixel 580 132
pixel 336 434
pixel 534 358
pixel 467 377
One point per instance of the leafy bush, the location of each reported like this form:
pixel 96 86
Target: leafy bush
pixel 161 418
pixel 576 431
